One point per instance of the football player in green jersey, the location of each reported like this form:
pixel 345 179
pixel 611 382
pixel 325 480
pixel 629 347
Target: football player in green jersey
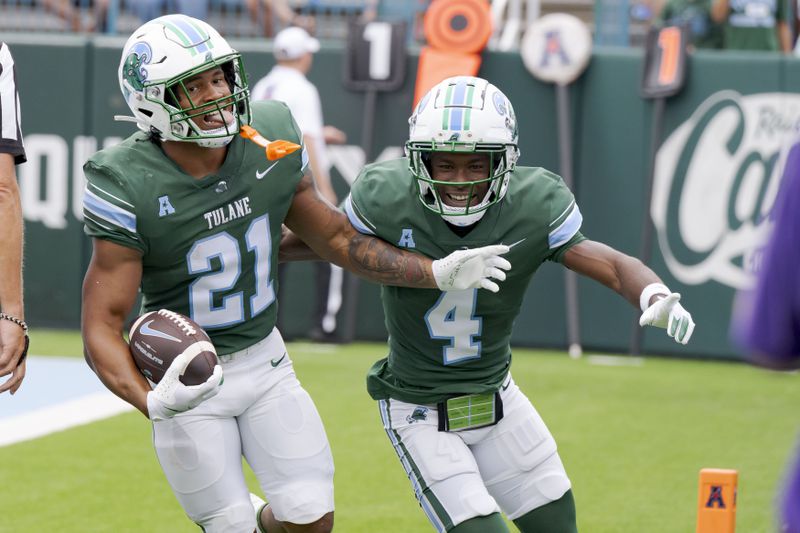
pixel 470 441
pixel 192 213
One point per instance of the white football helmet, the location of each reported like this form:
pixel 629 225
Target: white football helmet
pixel 463 114
pixel 156 61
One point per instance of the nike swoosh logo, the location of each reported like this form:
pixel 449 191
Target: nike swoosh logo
pixel 147 330
pixel 275 363
pixel 260 175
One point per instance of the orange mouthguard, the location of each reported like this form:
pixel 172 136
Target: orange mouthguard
pixel 275 149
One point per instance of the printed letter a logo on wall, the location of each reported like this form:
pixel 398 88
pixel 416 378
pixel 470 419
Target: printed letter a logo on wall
pixel 554 47
pixel 715 498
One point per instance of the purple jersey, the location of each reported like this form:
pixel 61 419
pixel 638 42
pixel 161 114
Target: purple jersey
pixel 771 329
pixel 790 503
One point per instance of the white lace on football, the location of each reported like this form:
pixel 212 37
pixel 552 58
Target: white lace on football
pixel 179 320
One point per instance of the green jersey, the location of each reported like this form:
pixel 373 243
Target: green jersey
pixel 753 25
pixel 209 246
pixel 457 342
pixel 696 14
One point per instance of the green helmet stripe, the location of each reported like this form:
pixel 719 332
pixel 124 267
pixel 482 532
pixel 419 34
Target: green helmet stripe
pixel 178 33
pixel 208 42
pixel 192 37
pixel 468 114
pixel 448 97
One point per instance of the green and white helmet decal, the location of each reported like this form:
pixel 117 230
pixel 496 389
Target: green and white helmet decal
pixel 159 58
pixel 469 115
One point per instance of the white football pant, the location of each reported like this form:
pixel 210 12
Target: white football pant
pixel 511 467
pixel 264 414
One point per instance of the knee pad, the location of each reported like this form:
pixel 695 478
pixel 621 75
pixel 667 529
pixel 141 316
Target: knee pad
pixel 540 487
pixel 235 518
pixel 302 503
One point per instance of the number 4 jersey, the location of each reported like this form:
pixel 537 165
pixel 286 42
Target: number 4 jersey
pixel 209 246
pixel 457 342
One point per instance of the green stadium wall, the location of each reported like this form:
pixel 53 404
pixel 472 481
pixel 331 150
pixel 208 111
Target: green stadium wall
pixel 716 176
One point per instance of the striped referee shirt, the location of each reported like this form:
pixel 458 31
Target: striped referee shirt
pixel 10 132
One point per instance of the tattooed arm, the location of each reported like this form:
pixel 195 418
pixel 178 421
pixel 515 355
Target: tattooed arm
pixel 293 248
pixel 330 235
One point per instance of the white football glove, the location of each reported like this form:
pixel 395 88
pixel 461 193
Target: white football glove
pixel 471 269
pixel 171 397
pixel 668 313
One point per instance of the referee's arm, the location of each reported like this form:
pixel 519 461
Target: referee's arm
pixel 12 152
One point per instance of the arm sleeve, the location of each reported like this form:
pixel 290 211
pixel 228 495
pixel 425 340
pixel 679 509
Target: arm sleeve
pixel 108 209
pixel 565 220
pixel 10 119
pixel 355 207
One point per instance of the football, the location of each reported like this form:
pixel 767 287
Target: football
pixel 158 337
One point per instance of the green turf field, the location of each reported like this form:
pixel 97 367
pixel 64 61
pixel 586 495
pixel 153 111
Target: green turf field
pixel 633 439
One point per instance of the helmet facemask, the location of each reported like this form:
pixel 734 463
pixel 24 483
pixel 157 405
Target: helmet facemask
pixel 497 179
pixel 463 115
pixel 236 106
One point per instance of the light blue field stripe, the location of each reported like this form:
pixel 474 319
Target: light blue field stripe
pixel 58 393
pixel 304 158
pixel 196 38
pixel 108 211
pixel 50 381
pixel 566 230
pixel 355 220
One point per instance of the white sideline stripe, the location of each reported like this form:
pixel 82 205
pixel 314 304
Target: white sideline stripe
pixel 66 415
pixel 614 360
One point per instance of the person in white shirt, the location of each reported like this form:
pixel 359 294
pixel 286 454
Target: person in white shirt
pixel 294 51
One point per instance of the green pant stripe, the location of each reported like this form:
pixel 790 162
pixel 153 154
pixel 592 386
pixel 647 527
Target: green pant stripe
pixel 430 505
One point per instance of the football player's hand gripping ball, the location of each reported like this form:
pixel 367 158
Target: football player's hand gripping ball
pixel 171 397
pixel 472 269
pixel 668 313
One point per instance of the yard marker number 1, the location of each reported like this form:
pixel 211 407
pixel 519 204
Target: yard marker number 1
pixel 663 75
